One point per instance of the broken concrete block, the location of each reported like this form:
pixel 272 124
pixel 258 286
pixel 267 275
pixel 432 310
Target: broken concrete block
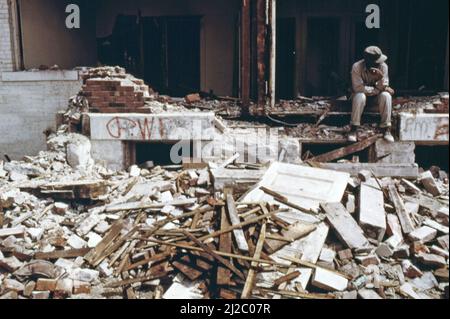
pixel 94 240
pixel 14 285
pixel 80 287
pixel 88 223
pixel 192 98
pixel 431 260
pixel 17 177
pixel 40 295
pixel 425 282
pixel 60 208
pixel 368 294
pixel 78 152
pixel 423 234
pixel 35 233
pixel 410 270
pixel 345 254
pixel 10 264
pixel 327 255
pixel 64 288
pixel 384 251
pixel 372 216
pixel 135 171
pixel 435 225
pixel 429 183
pixel 84 275
pixel 328 280
pixel 76 242
pixel 402 252
pixel 16 232
pixel 345 226
pixel 44 284
pixel 29 288
pixel 394 153
pixel 351 203
pixel 408 290
pixel 364 176
pixel 368 260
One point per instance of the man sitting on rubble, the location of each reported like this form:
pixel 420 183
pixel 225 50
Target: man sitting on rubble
pixel 370 82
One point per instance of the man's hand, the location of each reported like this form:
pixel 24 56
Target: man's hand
pixel 390 90
pixel 377 73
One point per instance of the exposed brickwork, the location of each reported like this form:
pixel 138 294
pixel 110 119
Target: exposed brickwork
pixel 112 88
pixel 6 55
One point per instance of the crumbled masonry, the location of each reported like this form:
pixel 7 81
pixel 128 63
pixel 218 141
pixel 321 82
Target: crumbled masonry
pixel 71 228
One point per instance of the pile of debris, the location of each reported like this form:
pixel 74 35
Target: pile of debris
pixel 72 229
pixel 109 89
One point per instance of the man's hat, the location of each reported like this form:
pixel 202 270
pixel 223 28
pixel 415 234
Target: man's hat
pixel 374 55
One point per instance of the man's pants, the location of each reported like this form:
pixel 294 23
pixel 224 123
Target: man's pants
pixel 384 102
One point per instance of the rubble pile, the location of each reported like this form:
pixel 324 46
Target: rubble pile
pixel 72 229
pixel 109 88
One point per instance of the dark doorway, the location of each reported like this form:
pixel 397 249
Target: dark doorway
pixel 285 58
pixel 322 56
pixel 164 51
pixel 172 54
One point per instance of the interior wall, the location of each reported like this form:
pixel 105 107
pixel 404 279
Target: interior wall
pixel 218 32
pixel 47 41
pixel 392 37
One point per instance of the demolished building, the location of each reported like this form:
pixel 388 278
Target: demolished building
pixel 143 194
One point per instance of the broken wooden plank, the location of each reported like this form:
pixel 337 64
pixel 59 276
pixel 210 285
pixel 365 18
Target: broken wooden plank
pixel 53 255
pixel 402 213
pixel 213 254
pixel 345 226
pixel 225 245
pixel 345 151
pixel 238 233
pixel 16 231
pixel 294 232
pixel 287 278
pixel 250 281
pixel 96 253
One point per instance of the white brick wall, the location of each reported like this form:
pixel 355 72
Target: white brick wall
pixel 26 110
pixel 6 56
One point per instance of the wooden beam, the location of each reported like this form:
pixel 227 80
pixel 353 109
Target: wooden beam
pixel 344 151
pixel 239 235
pixel 249 283
pixel 261 53
pixel 245 55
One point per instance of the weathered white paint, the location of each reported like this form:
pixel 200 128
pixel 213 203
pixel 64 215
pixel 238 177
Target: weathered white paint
pixel 304 186
pixel 152 127
pixel 27 109
pixel 36 76
pixel 424 127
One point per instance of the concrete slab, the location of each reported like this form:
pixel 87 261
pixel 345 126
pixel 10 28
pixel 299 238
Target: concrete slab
pixel 164 127
pixel 407 171
pixel 424 127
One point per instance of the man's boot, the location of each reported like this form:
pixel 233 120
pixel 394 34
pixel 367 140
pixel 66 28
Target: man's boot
pixel 388 135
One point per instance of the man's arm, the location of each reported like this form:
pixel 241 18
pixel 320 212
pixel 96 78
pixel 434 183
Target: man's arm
pixel 358 83
pixel 384 82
